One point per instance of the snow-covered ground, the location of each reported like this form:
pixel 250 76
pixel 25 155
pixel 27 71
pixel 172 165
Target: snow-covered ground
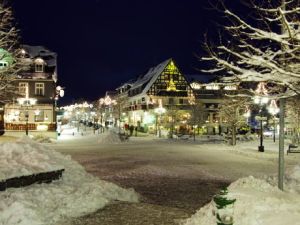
pixel 76 193
pixel 258 202
pixel 258 199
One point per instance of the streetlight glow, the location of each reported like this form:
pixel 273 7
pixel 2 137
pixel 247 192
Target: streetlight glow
pixel 273 109
pixel 261 99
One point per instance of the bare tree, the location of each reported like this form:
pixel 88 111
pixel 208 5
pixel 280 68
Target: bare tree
pixel 171 118
pixel 264 47
pixel 198 114
pixel 10 54
pixel 232 111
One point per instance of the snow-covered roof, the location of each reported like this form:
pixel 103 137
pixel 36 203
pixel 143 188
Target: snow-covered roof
pixel 127 83
pixel 150 77
pixel 110 93
pixel 40 51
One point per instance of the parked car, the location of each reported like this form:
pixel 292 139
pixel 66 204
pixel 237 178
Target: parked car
pixel 268 133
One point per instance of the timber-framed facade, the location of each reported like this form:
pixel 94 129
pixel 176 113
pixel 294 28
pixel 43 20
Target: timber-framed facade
pixel 163 86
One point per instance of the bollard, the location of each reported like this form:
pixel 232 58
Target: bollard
pixel 224 208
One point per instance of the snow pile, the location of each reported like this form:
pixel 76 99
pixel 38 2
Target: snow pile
pixel 292 183
pixel 77 193
pixel 257 203
pixel 41 138
pixel 110 137
pixel 24 157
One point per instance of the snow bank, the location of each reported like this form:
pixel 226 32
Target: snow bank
pixel 75 194
pixel 109 137
pixel 25 157
pixel 257 203
pixel 41 138
pixel 292 182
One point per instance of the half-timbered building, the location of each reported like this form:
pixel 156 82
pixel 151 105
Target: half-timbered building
pixel 159 98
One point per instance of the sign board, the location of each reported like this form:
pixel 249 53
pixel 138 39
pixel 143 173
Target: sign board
pixel 261 118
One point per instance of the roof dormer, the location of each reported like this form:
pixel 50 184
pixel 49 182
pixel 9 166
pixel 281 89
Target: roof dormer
pixel 39 65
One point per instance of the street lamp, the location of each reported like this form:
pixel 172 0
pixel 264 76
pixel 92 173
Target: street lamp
pixel 59 92
pixel 273 109
pixel 159 111
pixel 261 99
pixel 26 103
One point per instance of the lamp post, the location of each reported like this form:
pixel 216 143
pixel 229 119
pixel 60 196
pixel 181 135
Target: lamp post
pixel 26 103
pixel 59 92
pixel 261 99
pixel 159 111
pixel 273 109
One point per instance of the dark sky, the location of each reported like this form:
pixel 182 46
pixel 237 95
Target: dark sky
pixel 101 44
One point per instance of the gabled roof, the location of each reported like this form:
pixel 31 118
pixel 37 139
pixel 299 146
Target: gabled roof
pixel 111 93
pixel 150 77
pixel 130 82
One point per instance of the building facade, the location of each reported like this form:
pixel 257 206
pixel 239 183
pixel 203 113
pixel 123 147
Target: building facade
pixel 211 96
pixel 157 100
pixel 34 107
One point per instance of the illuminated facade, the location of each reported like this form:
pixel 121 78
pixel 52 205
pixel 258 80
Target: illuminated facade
pixel 211 96
pixel 163 86
pixel 37 82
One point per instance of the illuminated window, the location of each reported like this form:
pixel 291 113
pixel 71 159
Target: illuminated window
pixel 22 88
pixel 39 89
pixel 39 116
pixel 230 87
pixel 212 87
pixel 39 65
pixel 195 86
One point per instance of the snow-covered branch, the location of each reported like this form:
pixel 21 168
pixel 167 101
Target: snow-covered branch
pixel 267 49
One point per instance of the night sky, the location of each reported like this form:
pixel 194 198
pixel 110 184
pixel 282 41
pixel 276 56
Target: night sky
pixel 101 44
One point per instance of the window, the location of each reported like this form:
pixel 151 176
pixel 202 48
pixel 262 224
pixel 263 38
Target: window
pixel 230 87
pixel 39 116
pixel 171 101
pixel 181 101
pixel 175 77
pixel 39 65
pixel 39 89
pixel 39 68
pixel 23 88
